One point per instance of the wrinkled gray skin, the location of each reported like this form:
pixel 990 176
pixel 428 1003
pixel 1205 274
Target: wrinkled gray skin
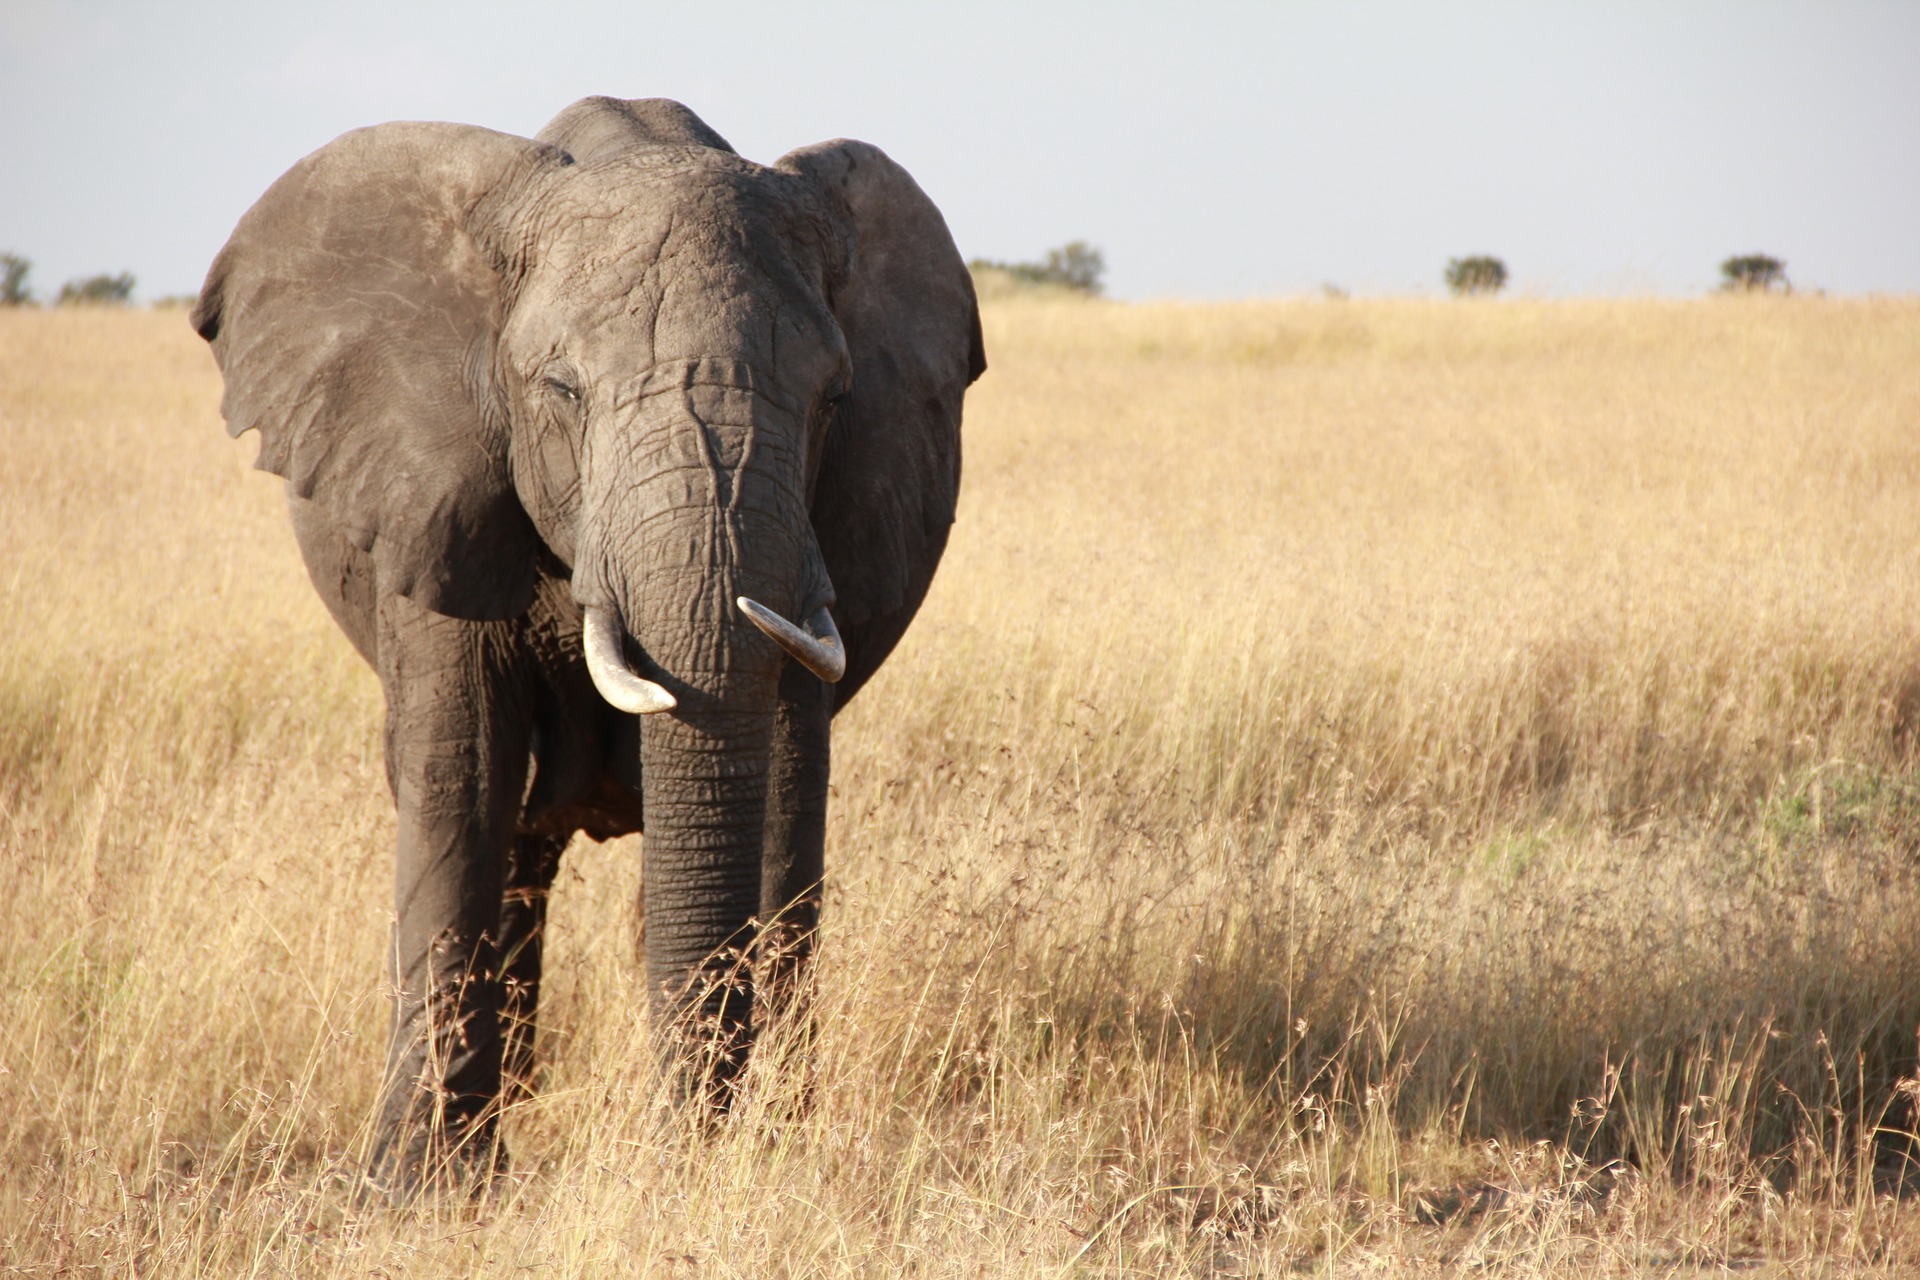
pixel 619 367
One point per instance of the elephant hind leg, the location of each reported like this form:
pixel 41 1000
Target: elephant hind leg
pixel 523 921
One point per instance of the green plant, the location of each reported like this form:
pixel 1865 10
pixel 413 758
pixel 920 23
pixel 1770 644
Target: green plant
pixel 1754 273
pixel 13 280
pixel 1480 273
pixel 1076 265
pixel 100 290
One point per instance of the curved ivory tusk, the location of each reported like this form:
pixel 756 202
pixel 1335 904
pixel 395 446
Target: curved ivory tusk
pixel 607 663
pixel 816 647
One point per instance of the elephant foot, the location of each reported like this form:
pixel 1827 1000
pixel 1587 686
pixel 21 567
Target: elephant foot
pixel 416 1165
pixel 707 1075
pixel 704 1059
pixel 437 1132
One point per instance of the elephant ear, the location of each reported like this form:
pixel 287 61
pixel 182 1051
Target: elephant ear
pixel 594 128
pixel 891 471
pixel 354 314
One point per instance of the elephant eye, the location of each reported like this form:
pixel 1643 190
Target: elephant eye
pixel 564 389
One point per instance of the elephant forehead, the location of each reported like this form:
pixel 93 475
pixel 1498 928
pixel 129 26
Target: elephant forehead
pixel 682 287
pixel 667 201
pixel 676 268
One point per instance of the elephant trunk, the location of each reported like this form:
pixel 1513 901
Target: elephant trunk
pixel 676 532
pixel 705 794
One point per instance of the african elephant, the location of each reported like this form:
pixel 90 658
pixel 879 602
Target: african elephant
pixel 571 427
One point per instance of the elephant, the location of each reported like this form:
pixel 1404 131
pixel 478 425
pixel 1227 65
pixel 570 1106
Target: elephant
pixel 573 428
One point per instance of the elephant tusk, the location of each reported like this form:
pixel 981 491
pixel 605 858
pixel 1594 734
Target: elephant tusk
pixel 816 647
pixel 607 663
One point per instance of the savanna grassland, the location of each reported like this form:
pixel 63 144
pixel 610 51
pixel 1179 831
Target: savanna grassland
pixel 1377 786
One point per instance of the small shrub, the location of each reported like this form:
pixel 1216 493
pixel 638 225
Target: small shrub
pixel 1754 273
pixel 1478 274
pixel 110 291
pixel 1076 265
pixel 13 280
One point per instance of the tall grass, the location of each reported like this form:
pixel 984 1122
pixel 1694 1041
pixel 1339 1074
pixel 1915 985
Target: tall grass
pixel 1375 785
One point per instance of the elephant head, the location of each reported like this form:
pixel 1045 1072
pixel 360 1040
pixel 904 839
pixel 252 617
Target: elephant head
pixel 723 398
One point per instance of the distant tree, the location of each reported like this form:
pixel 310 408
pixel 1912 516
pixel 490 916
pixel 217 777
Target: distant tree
pixel 1478 274
pixel 112 291
pixel 1754 273
pixel 13 280
pixel 1077 266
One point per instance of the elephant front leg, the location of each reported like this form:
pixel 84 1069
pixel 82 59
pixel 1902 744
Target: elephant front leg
pixel 794 860
pixel 457 760
pixel 523 922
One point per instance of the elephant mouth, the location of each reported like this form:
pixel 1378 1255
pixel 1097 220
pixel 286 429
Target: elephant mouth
pixel 815 645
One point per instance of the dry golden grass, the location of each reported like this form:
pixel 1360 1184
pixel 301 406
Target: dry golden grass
pixel 1377 786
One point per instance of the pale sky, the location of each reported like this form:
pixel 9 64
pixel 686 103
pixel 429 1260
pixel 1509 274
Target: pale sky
pixel 1210 149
